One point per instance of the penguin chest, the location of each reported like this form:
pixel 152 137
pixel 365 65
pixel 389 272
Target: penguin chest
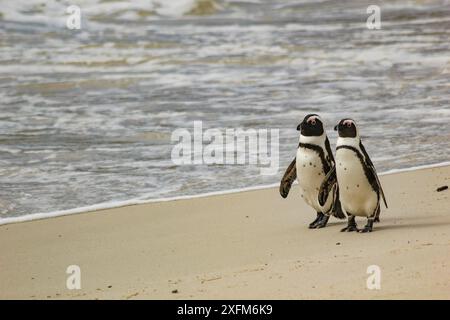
pixel 356 194
pixel 310 175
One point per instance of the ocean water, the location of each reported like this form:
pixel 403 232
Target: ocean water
pixel 86 116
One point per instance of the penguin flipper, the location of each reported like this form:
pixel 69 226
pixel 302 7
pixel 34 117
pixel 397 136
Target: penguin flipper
pixel 288 178
pixel 329 152
pixel 337 207
pixel 327 185
pixel 381 189
pixel 373 170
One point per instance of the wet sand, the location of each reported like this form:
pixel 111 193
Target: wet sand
pixel 250 244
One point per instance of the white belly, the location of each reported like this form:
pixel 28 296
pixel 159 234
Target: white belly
pixel 310 175
pixel 356 194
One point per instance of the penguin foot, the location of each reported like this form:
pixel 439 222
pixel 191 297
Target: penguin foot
pixel 368 227
pixel 323 222
pixel 351 225
pixel 350 228
pixel 313 224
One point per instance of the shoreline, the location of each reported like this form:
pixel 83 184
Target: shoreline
pixel 137 201
pixel 247 245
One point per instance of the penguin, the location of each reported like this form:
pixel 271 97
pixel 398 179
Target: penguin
pixel 313 161
pixel 360 188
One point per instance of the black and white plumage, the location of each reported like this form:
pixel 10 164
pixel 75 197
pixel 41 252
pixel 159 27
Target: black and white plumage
pixel 360 188
pixel 314 160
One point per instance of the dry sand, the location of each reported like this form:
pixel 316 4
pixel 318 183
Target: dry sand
pixel 246 245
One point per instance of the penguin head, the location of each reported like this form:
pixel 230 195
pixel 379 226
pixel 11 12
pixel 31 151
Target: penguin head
pixel 311 125
pixel 346 128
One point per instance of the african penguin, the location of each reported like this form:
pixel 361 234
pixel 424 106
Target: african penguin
pixel 313 161
pixel 360 188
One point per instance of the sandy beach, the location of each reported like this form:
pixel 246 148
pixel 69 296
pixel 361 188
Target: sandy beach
pixel 238 246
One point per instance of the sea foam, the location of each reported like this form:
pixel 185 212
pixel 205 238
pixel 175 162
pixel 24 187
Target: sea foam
pixel 140 201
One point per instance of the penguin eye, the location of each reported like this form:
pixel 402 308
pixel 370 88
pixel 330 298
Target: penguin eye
pixel 348 124
pixel 313 122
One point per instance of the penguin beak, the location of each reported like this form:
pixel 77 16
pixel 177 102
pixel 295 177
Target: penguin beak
pixel 336 127
pixel 299 127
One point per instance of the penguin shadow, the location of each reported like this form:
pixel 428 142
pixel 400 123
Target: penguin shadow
pixel 337 223
pixel 417 225
pixel 397 224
